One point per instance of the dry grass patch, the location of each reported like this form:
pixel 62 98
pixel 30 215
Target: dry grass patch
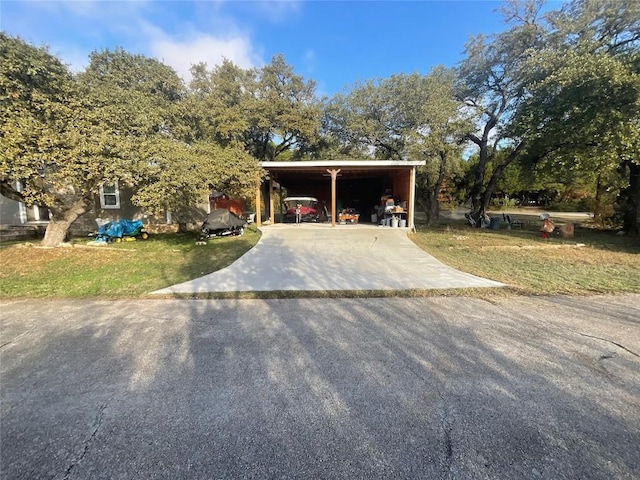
pixel 592 262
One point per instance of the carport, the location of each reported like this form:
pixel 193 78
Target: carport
pixel 354 184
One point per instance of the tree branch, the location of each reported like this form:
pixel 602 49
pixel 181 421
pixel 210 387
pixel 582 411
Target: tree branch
pixel 7 190
pixel 474 138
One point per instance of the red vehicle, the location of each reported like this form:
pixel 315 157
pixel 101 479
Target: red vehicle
pixel 308 209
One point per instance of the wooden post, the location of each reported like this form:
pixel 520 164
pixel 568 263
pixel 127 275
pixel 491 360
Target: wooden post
pixel 272 217
pixel 258 215
pixel 280 202
pixel 412 199
pixel 334 175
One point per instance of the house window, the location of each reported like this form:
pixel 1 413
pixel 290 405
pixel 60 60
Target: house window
pixel 109 195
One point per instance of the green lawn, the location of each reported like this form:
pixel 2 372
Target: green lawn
pixel 118 270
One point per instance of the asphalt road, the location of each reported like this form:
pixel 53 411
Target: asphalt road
pixel 315 388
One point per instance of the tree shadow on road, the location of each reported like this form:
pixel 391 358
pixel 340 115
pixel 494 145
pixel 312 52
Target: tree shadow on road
pixel 367 388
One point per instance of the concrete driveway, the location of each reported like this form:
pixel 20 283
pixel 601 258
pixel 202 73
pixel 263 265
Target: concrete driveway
pixel 402 388
pixel 319 257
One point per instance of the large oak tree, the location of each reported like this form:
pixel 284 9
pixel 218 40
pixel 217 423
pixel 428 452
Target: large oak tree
pixel 491 83
pixel 63 136
pixel 403 117
pixel 41 136
pixel 271 111
pixel 583 96
pixel 559 87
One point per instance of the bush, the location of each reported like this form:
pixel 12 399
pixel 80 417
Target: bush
pixel 504 203
pixel 571 205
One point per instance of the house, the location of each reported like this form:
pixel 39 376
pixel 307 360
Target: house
pixel 18 221
pixel 112 203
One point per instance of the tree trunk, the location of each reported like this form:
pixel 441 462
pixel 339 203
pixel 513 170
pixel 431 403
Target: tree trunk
pixel 430 206
pixel 428 193
pixel 61 219
pixel 597 206
pixel 477 209
pixel 496 175
pixel 630 200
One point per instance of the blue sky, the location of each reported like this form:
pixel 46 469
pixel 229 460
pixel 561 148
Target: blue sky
pixel 334 43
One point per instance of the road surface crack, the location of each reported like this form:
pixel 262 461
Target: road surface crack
pixel 609 341
pixel 19 336
pixel 96 426
pixel 446 426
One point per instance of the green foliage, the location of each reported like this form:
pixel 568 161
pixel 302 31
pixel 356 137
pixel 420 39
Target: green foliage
pixel 217 104
pixel 404 116
pixel 126 73
pixel 180 176
pixel 583 97
pixel 562 88
pixel 270 111
pixel 120 120
pixel 127 103
pixel 37 138
pixel 582 104
pixel 284 112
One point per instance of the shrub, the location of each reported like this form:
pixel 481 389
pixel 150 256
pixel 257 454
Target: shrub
pixel 504 203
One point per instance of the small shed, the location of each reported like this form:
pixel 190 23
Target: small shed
pixel 354 185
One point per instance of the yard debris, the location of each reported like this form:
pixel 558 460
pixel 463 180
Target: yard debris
pixel 532 247
pixel 96 243
pixel 549 227
pixel 566 231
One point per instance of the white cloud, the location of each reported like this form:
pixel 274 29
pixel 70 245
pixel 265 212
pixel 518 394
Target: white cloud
pixel 192 46
pixel 76 59
pixel 200 47
pixel 178 34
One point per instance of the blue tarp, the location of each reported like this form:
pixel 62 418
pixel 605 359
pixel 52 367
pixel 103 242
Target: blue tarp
pixel 119 229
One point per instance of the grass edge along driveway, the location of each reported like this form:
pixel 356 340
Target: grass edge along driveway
pixel 594 262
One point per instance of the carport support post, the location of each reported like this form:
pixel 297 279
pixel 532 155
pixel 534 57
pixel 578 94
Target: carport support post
pixel 280 202
pixel 258 214
pixel 272 217
pixel 334 175
pixel 412 198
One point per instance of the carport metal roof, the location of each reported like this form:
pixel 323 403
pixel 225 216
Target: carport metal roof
pixel 351 168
